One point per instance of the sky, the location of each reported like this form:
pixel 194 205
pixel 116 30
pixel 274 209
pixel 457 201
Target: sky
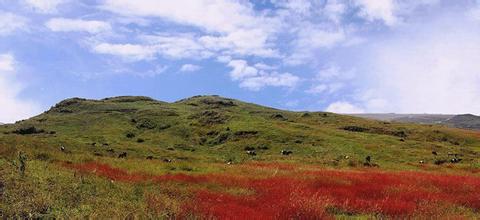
pixel 344 56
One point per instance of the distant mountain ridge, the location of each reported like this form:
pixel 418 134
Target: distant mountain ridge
pixel 465 121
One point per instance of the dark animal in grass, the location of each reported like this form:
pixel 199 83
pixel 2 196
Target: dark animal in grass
pixel 62 148
pixel 251 152
pixel 434 153
pixel 149 157
pixel 166 160
pixel 110 150
pixel 402 140
pixel 248 148
pixel 368 159
pixel 286 152
pixel 455 160
pixel 123 155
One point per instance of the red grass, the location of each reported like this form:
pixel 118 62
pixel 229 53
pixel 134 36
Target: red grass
pixel 319 194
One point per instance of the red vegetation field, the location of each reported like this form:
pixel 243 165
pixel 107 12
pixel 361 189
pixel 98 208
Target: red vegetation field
pixel 317 193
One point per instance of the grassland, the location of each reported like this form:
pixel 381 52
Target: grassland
pixel 188 160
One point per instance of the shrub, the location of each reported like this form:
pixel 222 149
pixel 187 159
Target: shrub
pixel 28 130
pixel 146 124
pixel 355 128
pixel 130 134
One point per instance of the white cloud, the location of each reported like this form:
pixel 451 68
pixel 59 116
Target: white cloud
pixel 326 88
pixel 330 80
pixel 344 108
pixel 231 27
pixel 312 39
pixel 263 66
pixel 253 79
pixel 173 46
pixel 12 107
pixel 6 63
pixel 132 52
pixel 190 68
pixel 428 67
pixel 241 70
pixel 334 10
pixel 44 6
pixel 270 79
pixel 378 10
pixel 177 46
pixel 66 25
pixel 10 23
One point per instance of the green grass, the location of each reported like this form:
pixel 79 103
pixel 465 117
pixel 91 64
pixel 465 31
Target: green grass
pixel 199 135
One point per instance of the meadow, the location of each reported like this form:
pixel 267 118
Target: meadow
pixel 189 160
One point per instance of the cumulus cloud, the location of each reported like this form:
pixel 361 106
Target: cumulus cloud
pixel 254 79
pixel 177 46
pixel 378 10
pixel 230 25
pixel 66 25
pixel 132 52
pixel 241 69
pixel 344 108
pixel 274 79
pixel 9 23
pixel 12 107
pixel 44 6
pixel 189 68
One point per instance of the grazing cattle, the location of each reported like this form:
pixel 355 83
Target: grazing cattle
pixel 286 152
pixel 166 160
pixel 123 155
pixel 421 162
pixel 402 140
pixel 251 152
pixel 434 153
pixel 347 157
pixel 455 160
pixel 62 148
pixel 368 159
pixel 149 157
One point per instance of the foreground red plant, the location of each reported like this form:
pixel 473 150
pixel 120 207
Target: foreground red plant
pixel 321 193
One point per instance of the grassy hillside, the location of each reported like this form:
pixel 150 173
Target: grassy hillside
pixel 141 138
pixel 465 121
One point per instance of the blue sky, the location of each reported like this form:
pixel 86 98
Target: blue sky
pixel 346 56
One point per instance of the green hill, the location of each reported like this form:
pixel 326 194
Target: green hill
pixel 213 128
pixel 201 135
